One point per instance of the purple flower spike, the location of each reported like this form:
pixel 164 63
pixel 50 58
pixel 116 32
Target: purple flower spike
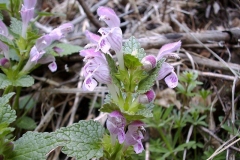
pixel 148 97
pixel 115 124
pixel 108 16
pixel 168 49
pixel 3 29
pixel 134 136
pixel 149 62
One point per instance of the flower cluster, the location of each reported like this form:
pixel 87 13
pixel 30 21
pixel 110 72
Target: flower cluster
pixel 116 124
pixel 37 52
pixel 128 131
pixel 111 38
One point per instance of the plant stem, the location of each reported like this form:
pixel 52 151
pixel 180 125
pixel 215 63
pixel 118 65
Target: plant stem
pixel 167 143
pixel 16 100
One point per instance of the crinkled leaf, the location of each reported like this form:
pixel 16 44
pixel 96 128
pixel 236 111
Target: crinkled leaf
pixel 24 81
pixel 140 114
pixel 33 145
pixel 131 62
pixel 133 47
pixel 82 140
pixel 5 130
pixel 6 113
pixel 26 123
pixel 113 70
pixel 6 40
pixel 4 82
pixel 148 82
pixel 109 107
pixel 67 49
pixel 16 26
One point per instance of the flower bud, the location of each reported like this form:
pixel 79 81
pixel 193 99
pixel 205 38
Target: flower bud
pixel 4 62
pixel 149 62
pixel 146 98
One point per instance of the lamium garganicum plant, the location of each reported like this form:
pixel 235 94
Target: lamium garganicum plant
pixel 129 81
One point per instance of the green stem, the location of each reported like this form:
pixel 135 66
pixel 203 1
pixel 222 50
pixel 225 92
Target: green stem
pixel 16 100
pixel 167 143
pixel 7 90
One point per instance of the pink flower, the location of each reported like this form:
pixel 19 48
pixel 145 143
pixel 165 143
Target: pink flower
pixel 111 36
pixel 108 16
pixel 167 71
pixel 4 62
pixel 3 29
pixel 147 97
pixel 115 124
pixel 60 31
pixel 96 67
pixel 168 49
pixel 149 62
pixel 4 49
pixel 27 13
pixel 134 136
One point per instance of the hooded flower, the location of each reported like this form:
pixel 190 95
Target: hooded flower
pixel 134 136
pixel 111 36
pixel 96 67
pixel 115 124
pixel 147 97
pixel 37 52
pixel 149 62
pixel 167 71
pixel 27 13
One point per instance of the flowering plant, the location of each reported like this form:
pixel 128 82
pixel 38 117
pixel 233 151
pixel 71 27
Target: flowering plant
pixel 129 81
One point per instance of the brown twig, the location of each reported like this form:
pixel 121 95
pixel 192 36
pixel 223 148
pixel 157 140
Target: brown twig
pixel 89 14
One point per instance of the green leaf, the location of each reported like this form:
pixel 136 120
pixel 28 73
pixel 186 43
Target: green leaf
pixel 113 70
pixel 67 49
pixel 6 113
pixel 148 82
pixel 6 40
pixel 82 140
pixel 26 123
pixel 131 62
pixel 4 82
pixel 140 114
pixel 3 6
pixel 33 145
pixel 16 26
pixel 24 81
pixel 133 47
pixel 1 16
pixel 109 107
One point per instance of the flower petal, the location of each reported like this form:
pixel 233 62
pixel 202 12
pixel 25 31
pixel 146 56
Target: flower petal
pixel 167 49
pixel 89 83
pixel 108 16
pixel 52 66
pixel 171 80
pixel 138 147
pixel 164 71
pixel 3 29
pixel 93 38
pixel 30 3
